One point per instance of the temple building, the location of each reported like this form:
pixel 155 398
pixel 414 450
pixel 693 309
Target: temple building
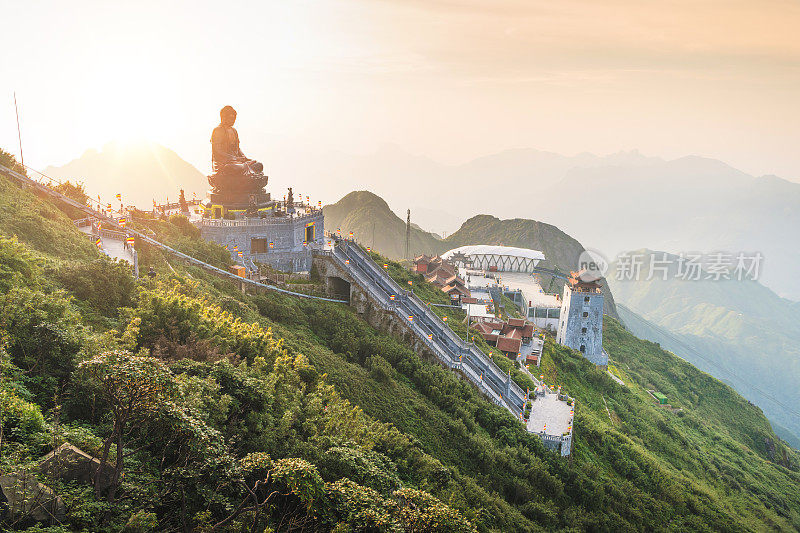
pixel 580 324
pixel 239 214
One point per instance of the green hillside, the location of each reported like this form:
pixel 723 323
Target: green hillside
pixel 375 225
pixel 740 331
pixel 363 213
pixel 219 411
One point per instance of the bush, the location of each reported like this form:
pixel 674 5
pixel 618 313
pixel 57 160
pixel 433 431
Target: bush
pixel 20 419
pixel 365 467
pixel 44 338
pixel 185 227
pixel 379 368
pixel 106 285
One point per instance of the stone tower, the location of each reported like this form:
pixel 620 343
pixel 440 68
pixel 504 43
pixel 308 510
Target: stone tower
pixel 580 325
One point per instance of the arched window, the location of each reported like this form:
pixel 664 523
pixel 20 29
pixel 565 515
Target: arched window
pixel 583 348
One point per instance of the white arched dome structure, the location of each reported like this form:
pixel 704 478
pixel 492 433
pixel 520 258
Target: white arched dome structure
pixel 501 258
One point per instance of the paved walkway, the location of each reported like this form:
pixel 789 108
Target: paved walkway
pixel 532 348
pixel 551 412
pixel 530 289
pixel 114 248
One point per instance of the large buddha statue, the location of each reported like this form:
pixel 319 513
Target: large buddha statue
pixel 233 171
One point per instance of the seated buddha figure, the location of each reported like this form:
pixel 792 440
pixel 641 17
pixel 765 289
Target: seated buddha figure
pixel 232 169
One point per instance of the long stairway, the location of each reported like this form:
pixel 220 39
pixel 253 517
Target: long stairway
pixel 451 350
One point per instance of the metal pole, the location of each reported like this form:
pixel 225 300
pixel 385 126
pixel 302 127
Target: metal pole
pixel 468 323
pixel 19 135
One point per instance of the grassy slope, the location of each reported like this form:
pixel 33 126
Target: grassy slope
pixel 736 324
pixel 715 447
pixel 40 224
pixel 648 469
pixel 719 447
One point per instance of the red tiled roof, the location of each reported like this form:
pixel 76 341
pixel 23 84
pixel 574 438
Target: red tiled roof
pixel 516 322
pixel 452 280
pixel 513 333
pixel 455 288
pixel 483 327
pixel 527 331
pixel 506 344
pixel 491 338
pixel 443 269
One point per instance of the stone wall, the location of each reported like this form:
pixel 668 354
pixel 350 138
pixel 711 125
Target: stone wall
pixel 287 234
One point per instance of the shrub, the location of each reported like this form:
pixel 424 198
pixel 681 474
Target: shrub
pixel 379 368
pixel 106 285
pixel 20 419
pixel 43 338
pixel 185 227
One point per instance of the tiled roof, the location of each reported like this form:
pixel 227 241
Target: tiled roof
pixel 506 344
pixel 512 333
pixel 483 327
pixel 455 288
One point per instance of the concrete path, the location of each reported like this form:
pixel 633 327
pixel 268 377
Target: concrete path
pixel 530 289
pixel 113 248
pixel 550 412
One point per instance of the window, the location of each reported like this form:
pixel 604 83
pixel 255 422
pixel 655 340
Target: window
pixel 258 246
pixel 310 233
pixel 583 331
pixel 585 314
pixel 583 348
pixel 586 299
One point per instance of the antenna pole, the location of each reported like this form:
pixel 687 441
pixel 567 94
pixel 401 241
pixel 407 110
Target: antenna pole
pixel 19 135
pixel 408 231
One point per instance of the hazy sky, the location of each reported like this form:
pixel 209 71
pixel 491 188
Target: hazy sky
pixel 451 80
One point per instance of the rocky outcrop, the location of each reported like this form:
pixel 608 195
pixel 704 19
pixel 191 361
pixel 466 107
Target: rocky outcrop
pixel 28 500
pixel 70 463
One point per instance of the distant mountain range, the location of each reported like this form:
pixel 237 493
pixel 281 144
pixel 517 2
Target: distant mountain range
pixel 141 172
pixel 619 202
pixel 374 224
pixel 739 331
pixel 611 203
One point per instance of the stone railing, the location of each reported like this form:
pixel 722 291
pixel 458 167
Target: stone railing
pixel 248 222
pixel 449 348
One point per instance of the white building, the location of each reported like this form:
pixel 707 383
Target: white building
pixel 496 258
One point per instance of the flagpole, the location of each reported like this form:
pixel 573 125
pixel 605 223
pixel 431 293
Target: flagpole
pixel 19 135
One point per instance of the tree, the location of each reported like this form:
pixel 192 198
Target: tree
pixel 76 191
pixel 9 161
pixel 134 387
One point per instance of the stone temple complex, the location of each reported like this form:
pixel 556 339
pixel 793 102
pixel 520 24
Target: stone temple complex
pixel 239 214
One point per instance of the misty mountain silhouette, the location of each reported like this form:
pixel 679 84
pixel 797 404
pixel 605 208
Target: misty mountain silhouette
pixel 140 171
